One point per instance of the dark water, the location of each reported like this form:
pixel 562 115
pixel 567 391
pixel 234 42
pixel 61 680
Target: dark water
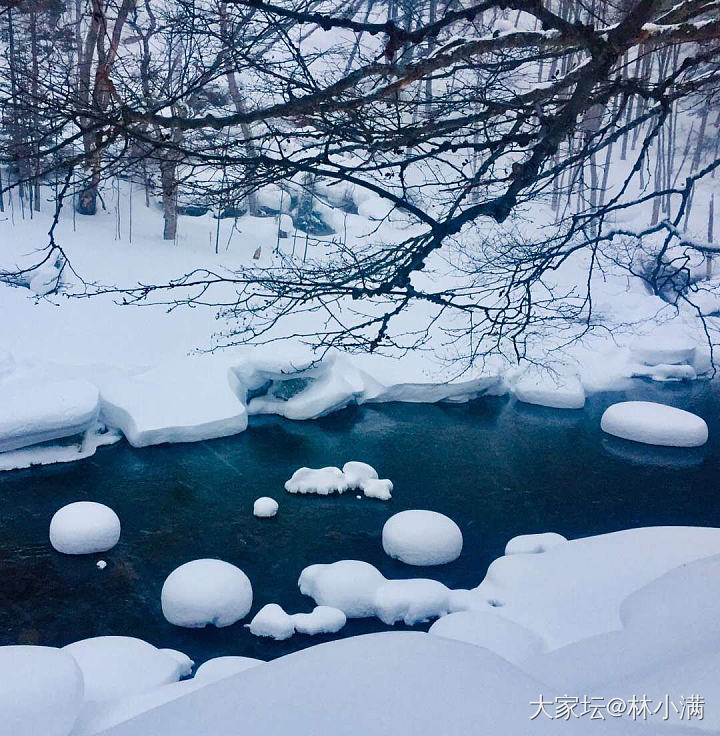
pixel 497 467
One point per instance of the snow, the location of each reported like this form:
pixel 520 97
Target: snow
pixel 219 668
pixel 181 401
pixel 419 537
pixel 349 585
pixel 654 424
pixel 33 411
pixel 41 691
pixel 551 390
pixel 117 666
pixel 265 507
pixel 530 544
pixel 666 347
pixel 186 664
pixel 488 629
pixel 272 621
pixel 322 620
pixel 411 601
pixel 101 564
pixel 84 528
pixel 355 475
pixel 322 481
pixel 206 591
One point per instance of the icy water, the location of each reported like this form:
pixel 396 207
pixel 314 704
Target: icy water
pixel 497 467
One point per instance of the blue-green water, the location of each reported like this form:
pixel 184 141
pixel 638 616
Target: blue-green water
pixel 497 467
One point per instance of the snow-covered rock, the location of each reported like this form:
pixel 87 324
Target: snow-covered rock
pixel 487 629
pixel 182 401
pixel 272 621
pixel 32 413
pixel 530 544
pixel 549 389
pixel 84 528
pixel 322 620
pixel 206 591
pixel 41 691
pixel 664 372
pixel 356 473
pixel 219 668
pixel 411 601
pixel 654 424
pixel 349 585
pixel 116 666
pixel 380 488
pixel 322 481
pixel 265 507
pixel 419 537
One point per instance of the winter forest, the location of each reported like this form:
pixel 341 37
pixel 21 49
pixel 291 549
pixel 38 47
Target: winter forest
pixel 358 367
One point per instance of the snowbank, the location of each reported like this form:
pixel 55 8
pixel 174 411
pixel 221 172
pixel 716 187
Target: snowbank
pixel 117 666
pixel 487 629
pixel 272 621
pixel 322 620
pixel 549 389
pixel 654 424
pixel 349 585
pixel 530 544
pixel 265 507
pixel 322 481
pixel 182 401
pixel 219 668
pixel 32 413
pixel 41 691
pixel 419 537
pixel 84 528
pixel 205 592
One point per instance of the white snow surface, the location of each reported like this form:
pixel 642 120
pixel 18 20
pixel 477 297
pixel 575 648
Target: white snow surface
pixel 321 620
pixel 180 401
pixel 83 528
pixel 273 622
pixel 411 601
pixel 489 629
pixel 219 668
pixel 206 591
pixel 549 389
pixel 41 691
pixel 32 412
pixel 265 507
pixel 117 666
pixel 530 544
pixel 420 537
pixel 654 424
pixel 322 481
pixel 349 585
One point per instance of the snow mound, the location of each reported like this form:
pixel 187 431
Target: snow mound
pixel 205 592
pixel 349 585
pixel 272 621
pixel 183 401
pixel 664 372
pixel 116 666
pixel 265 507
pixel 84 528
pixel 41 691
pixel 551 390
pixel 32 413
pixel 487 629
pixel 221 667
pixel 654 424
pixel 322 620
pixel 379 488
pixel 411 601
pixel 411 683
pixel 322 481
pixel 356 473
pixel 663 347
pixel 419 537
pixel 186 664
pixel 530 544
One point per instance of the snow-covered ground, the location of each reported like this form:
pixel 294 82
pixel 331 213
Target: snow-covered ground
pixel 596 632
pixel 93 367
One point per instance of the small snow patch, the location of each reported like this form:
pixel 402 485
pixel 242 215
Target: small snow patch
pixel 272 621
pixel 322 620
pixel 265 507
pixel 84 528
pixel 419 537
pixel 654 424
